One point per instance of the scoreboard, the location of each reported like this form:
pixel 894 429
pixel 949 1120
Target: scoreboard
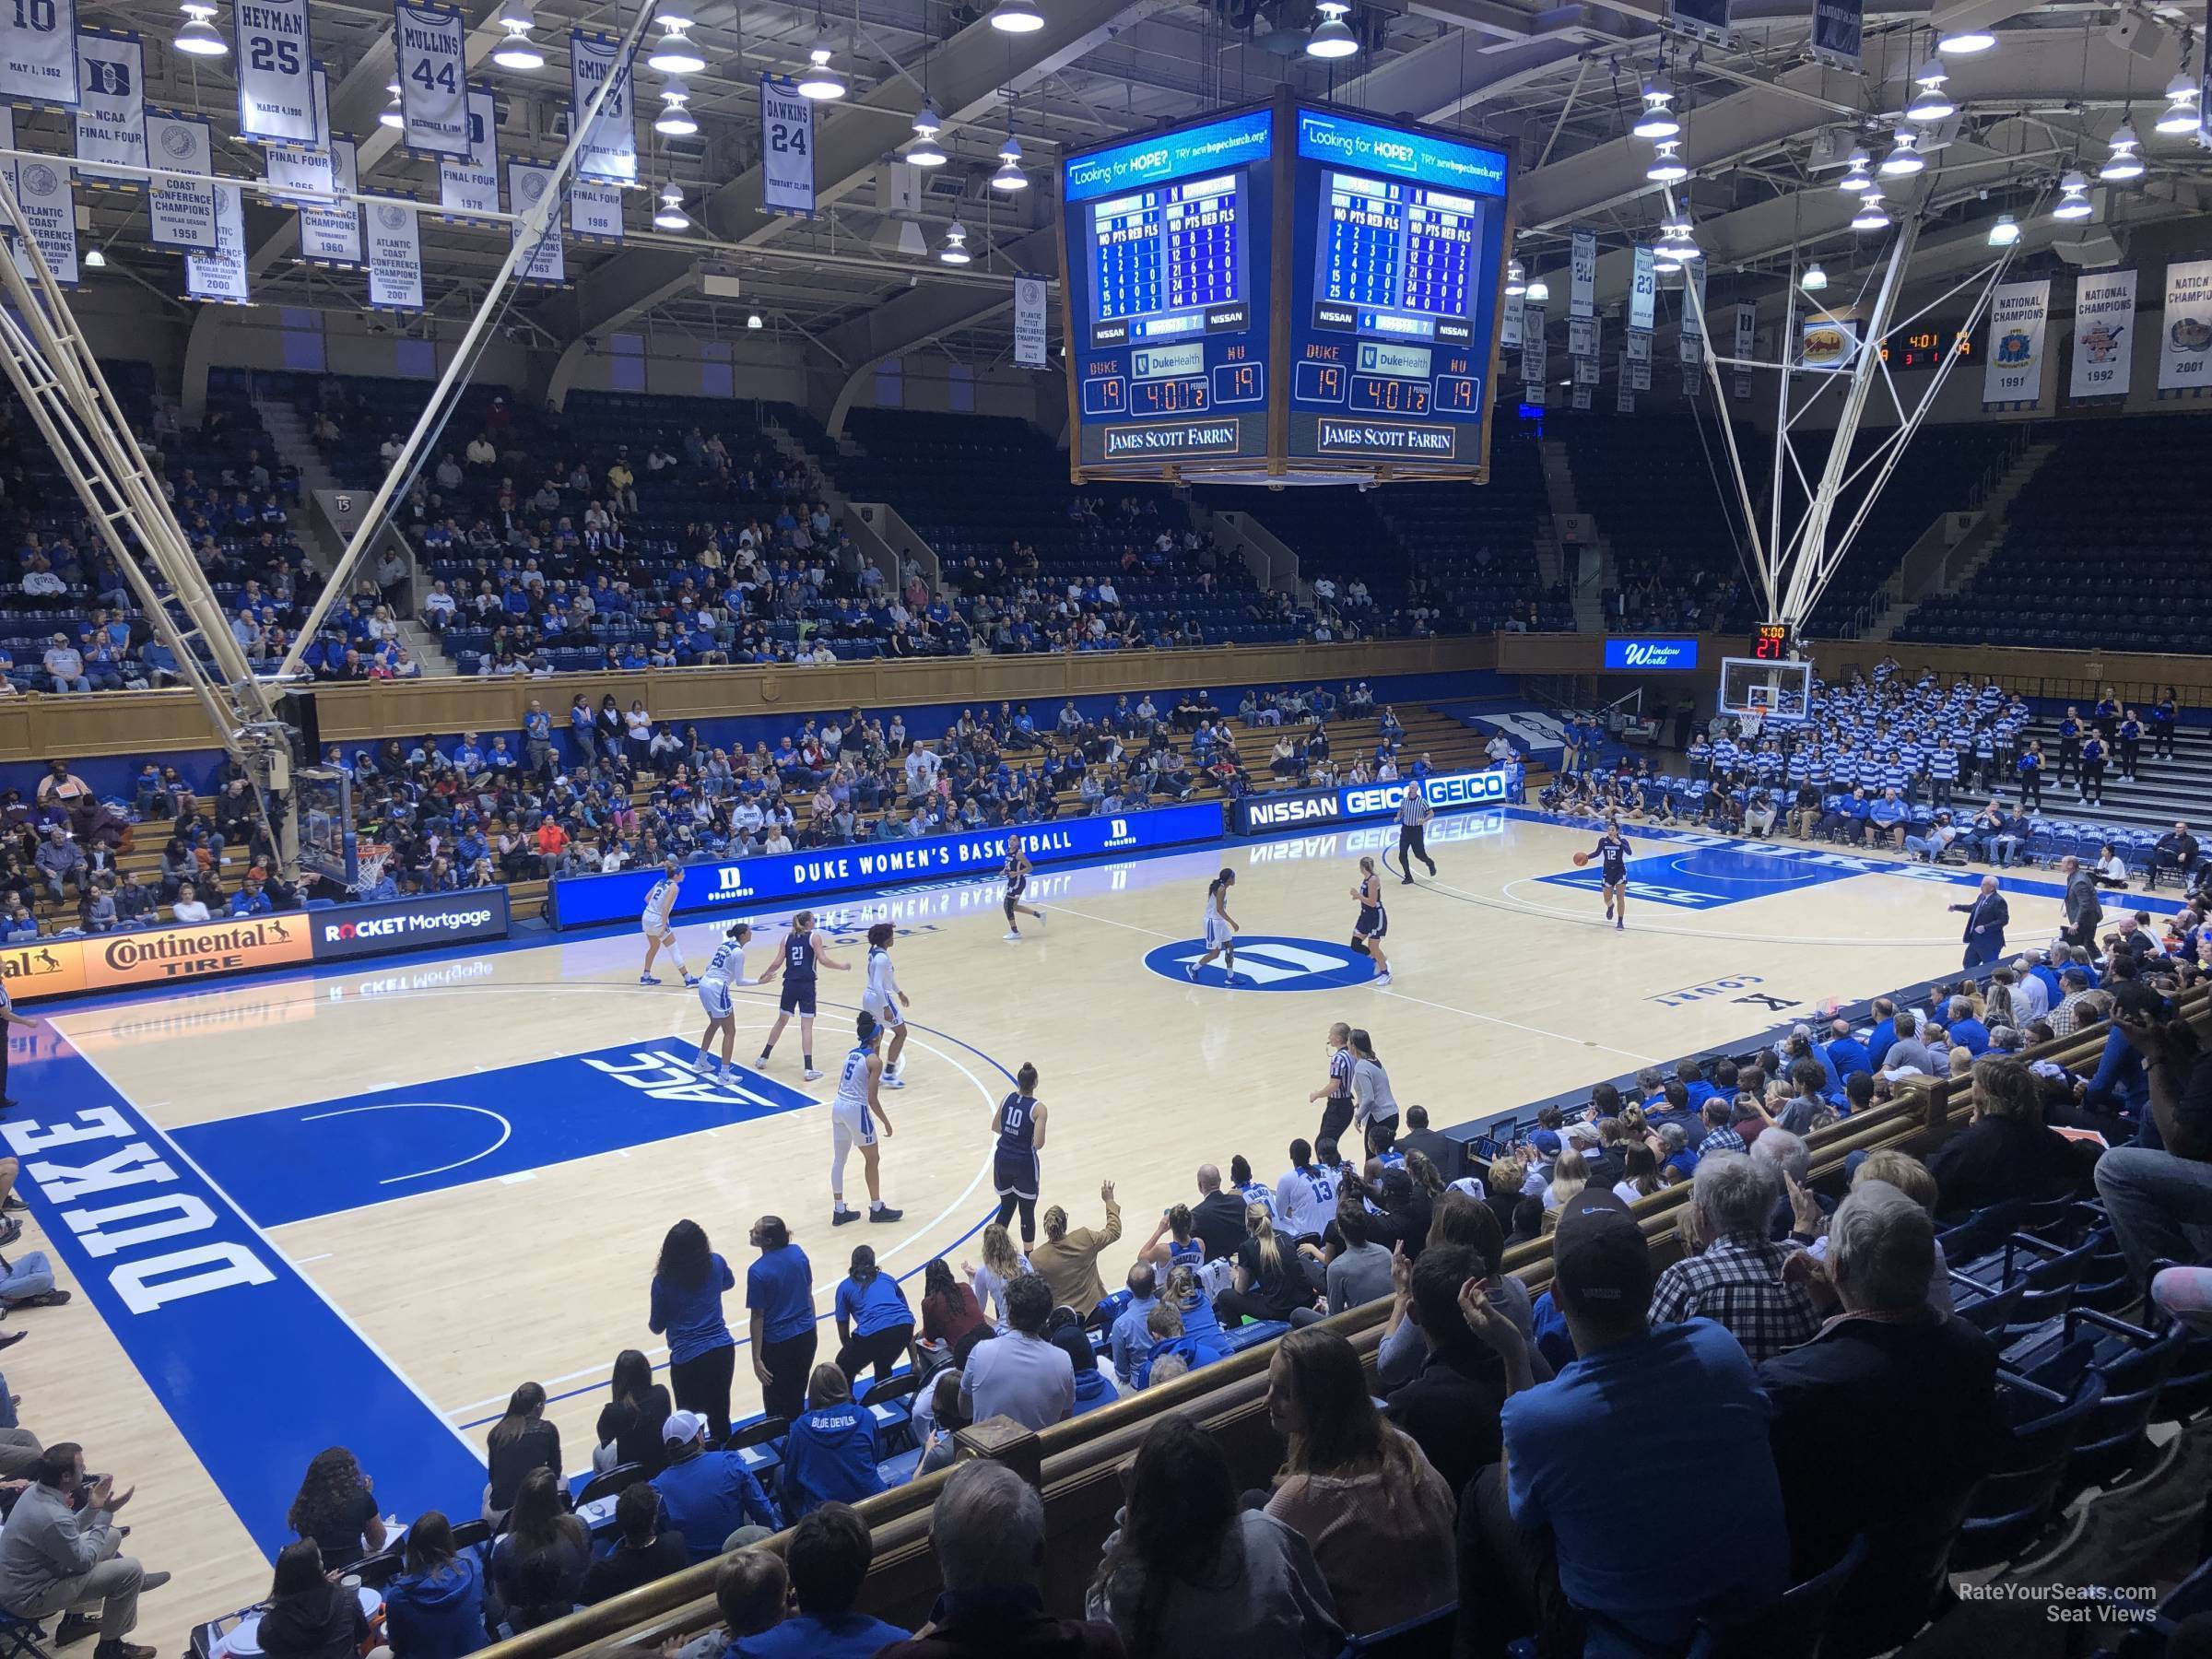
pixel 1287 293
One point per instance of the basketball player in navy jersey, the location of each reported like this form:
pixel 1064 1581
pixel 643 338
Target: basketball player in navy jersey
pixel 725 968
pixel 804 950
pixel 1019 1124
pixel 1220 929
pixel 1612 853
pixel 1017 876
pixel 1366 933
pixel 856 1117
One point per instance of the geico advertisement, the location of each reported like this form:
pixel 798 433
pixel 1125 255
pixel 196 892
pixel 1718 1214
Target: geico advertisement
pixel 1446 792
pixel 585 901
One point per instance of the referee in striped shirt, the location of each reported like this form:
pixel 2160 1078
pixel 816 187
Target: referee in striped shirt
pixel 1414 813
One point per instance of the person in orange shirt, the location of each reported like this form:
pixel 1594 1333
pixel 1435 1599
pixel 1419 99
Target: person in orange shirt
pixel 552 840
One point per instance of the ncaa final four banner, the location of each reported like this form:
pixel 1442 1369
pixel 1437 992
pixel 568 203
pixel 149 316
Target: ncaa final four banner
pixel 527 183
pixel 2020 316
pixel 471 185
pixel 786 147
pixel 276 78
pixel 394 256
pixel 596 212
pixel 432 46
pixel 221 276
pixel 38 52
pixel 181 213
pixel 110 108
pixel 2104 334
pixel 610 149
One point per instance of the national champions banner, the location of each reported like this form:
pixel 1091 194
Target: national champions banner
pixel 181 214
pixel 1029 322
pixel 2104 334
pixel 276 73
pixel 786 147
pixel 527 183
pixel 2020 316
pixel 432 43
pixel 221 276
pixel 38 54
pixel 394 256
pixel 469 184
pixel 110 108
pixel 610 149
pixel 2186 331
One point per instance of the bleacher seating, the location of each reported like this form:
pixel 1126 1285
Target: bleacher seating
pixel 1660 489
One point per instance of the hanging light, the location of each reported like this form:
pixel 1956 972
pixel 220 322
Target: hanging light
pixel 752 320
pixel 676 53
pixel 1010 176
pixel 927 124
pixel 1904 159
pixel 820 81
pixel 1815 279
pixel 2181 95
pixel 1332 37
pixel 1666 167
pixel 2073 198
pixel 1017 16
pixel 2005 232
pixel 955 250
pixel 1965 42
pixel 1856 176
pixel 1675 239
pixel 672 216
pixel 198 37
pixel 674 120
pixel 392 116
pixel 1516 279
pixel 1931 103
pixel 518 51
pixel 2125 162
pixel 1538 290
pixel 1667 259
pixel 1658 121
pixel 1870 216
pixel 94 259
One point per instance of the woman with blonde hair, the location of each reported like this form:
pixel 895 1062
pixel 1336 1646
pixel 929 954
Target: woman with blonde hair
pixel 1272 1281
pixel 1002 1265
pixel 1570 1175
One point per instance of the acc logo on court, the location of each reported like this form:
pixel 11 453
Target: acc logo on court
pixel 1267 962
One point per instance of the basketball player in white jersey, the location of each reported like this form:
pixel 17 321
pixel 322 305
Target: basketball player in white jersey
pixel 804 950
pixel 1220 929
pixel 726 968
pixel 882 997
pixel 658 930
pixel 855 1116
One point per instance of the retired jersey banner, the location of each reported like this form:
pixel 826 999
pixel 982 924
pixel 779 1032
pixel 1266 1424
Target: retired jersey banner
pixel 432 46
pixel 1581 276
pixel 111 106
pixel 276 73
pixel 595 211
pixel 786 147
pixel 1643 293
pixel 527 183
pixel 394 256
pixel 609 151
pixel 222 276
pixel 2104 333
pixel 471 185
pixel 49 210
pixel 38 52
pixel 2020 316
pixel 181 213
pixel 2186 331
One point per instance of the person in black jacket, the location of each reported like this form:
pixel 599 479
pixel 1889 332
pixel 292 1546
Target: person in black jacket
pixel 1986 918
pixel 1218 1219
pixel 2008 1150
pixel 1441 1149
pixel 1451 1407
pixel 630 1420
pixel 308 1616
pixel 520 1441
pixel 648 1551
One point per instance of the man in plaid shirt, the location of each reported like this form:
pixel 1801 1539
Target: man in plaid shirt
pixel 1735 1280
pixel 1720 1137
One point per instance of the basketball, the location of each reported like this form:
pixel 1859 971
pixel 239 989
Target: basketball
pixel 1580 859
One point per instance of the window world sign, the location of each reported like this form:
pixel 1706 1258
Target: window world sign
pixel 1648 656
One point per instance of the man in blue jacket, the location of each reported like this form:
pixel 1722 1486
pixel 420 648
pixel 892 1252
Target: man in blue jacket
pixel 707 1495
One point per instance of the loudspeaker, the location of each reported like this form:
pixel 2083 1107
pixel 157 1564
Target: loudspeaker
pixel 299 711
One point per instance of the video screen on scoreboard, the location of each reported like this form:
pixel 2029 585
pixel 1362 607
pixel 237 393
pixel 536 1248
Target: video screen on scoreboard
pixel 1393 315
pixel 1166 247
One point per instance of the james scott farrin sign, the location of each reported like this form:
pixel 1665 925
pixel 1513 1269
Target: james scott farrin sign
pixel 1648 656
pixel 587 901
pixel 1447 792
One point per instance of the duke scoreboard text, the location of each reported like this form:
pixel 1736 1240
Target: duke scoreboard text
pixel 1286 292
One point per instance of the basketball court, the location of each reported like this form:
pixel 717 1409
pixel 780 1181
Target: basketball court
pixel 359 1207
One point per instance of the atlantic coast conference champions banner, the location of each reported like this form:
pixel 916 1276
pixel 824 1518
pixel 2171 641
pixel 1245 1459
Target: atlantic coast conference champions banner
pixel 527 183
pixel 38 54
pixel 181 213
pixel 2104 334
pixel 111 109
pixel 49 205
pixel 222 277
pixel 432 46
pixel 275 73
pixel 394 256
pixel 2020 316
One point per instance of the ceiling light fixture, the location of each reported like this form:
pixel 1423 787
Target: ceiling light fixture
pixel 1667 167
pixel 926 151
pixel 198 37
pixel 94 259
pixel 955 250
pixel 391 114
pixel 1010 176
pixel 1017 16
pixel 674 120
pixel 1538 290
pixel 1871 215
pixel 677 53
pixel 1516 279
pixel 1667 259
pixel 1332 37
pixel 1931 102
pixel 1965 42
pixel 753 320
pixel 2181 95
pixel 2073 198
pixel 2126 163
pixel 1815 279
pixel 1904 159
pixel 672 216
pixel 1856 175
pixel 518 51
pixel 820 81
pixel 2005 232
pixel 1658 121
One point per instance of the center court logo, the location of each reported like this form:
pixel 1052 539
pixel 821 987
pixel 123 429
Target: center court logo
pixel 1266 962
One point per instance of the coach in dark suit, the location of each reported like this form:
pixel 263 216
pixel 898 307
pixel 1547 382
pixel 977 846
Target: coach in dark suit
pixel 1439 1148
pixel 2084 910
pixel 1985 920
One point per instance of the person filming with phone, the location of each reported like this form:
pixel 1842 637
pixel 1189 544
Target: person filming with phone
pixel 58 1555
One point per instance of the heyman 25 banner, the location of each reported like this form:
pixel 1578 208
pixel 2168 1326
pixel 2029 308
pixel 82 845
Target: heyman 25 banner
pixel 527 183
pixel 609 151
pixel 1582 275
pixel 38 52
pixel 2185 330
pixel 49 210
pixel 786 147
pixel 432 46
pixel 1837 27
pixel 394 257
pixel 276 86
pixel 330 232
pixel 1029 322
pixel 471 183
pixel 2020 316
pixel 2104 334
pixel 110 107
pixel 1643 292
pixel 221 276
pixel 595 211
pixel 181 213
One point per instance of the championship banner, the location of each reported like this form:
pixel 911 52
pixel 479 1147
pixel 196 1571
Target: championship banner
pixel 595 211
pixel 1029 322
pixel 1585 376
pixel 2018 313
pixel 221 276
pixel 1693 314
pixel 1747 330
pixel 431 43
pixel 1582 277
pixel 1509 326
pixel 7 141
pixel 1624 393
pixel 330 232
pixel 275 84
pixel 1643 293
pixel 470 185
pixel 394 256
pixel 1638 373
pixel 609 151
pixel 111 110
pixel 1533 360
pixel 786 147
pixel 2104 334
pixel 1581 395
pixel 526 185
pixel 38 54
pixel 181 214
pixel 1640 346
pixel 1582 337
pixel 1837 29
pixel 49 210
pixel 2186 331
